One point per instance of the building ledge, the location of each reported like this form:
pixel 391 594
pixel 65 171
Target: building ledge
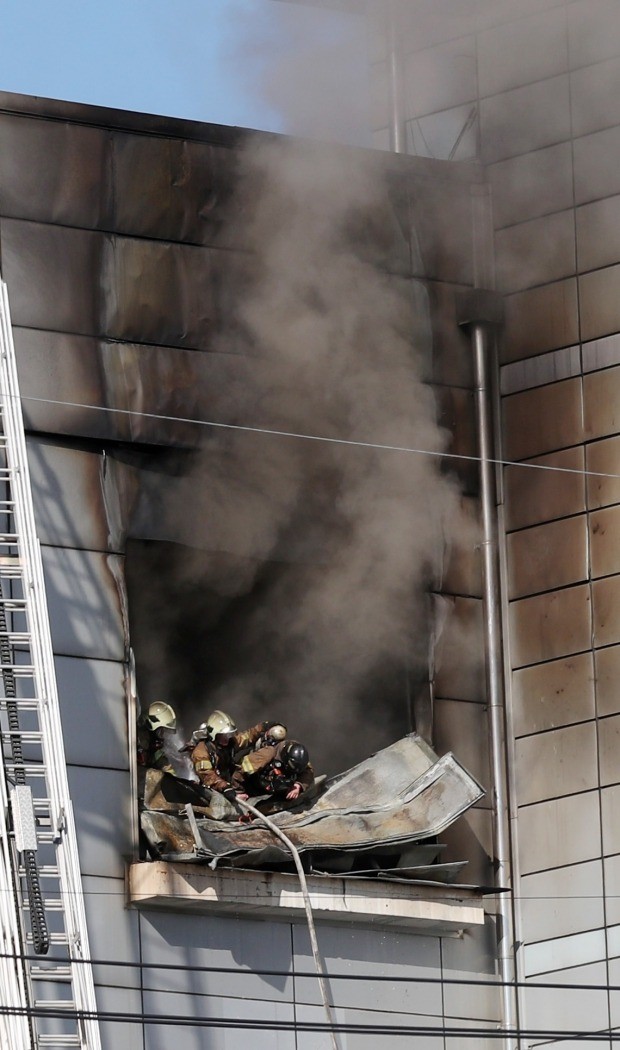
pixel 275 895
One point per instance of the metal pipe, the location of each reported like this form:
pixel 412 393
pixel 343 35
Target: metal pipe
pixel 398 127
pixel 309 916
pixel 494 679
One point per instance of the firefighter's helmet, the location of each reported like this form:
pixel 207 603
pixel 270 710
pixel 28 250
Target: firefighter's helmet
pixel 161 716
pixel 295 756
pixel 275 734
pixel 219 724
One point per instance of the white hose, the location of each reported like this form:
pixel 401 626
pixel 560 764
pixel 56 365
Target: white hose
pixel 309 916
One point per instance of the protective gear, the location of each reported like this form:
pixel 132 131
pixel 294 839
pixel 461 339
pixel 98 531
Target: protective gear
pixel 294 756
pixel 219 724
pixel 213 760
pixel 161 716
pixel 274 734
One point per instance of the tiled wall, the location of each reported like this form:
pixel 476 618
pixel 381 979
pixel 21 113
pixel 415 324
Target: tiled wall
pixel 544 79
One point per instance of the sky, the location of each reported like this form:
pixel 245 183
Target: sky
pixel 254 63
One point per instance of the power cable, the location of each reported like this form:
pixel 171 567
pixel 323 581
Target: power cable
pixel 268 432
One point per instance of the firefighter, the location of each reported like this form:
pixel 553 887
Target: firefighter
pixel 280 769
pixel 212 749
pixel 159 720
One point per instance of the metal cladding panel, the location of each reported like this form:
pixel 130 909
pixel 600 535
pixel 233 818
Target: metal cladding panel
pixel 521 264
pixel 550 625
pixel 467 723
pixel 611 866
pixel 452 356
pixel 121 1031
pixel 603 457
pixel 610 814
pixel 598 236
pixel 549 170
pixel 609 741
pixel 606 611
pixel 576 1009
pixel 539 495
pixel 456 412
pixel 219 1014
pixel 315 1015
pixel 438 211
pixel 172 189
pixel 596 169
pixel 561 902
pixel 93 709
pixel 359 953
pixel 560 762
pixel 599 302
pixel 553 694
pixel 84 606
pixel 543 420
pixel 54 171
pixel 440 77
pixel 463 572
pixel 562 831
pixel 593 31
pixel 240 946
pixel 540 319
pixel 548 556
pixel 472 956
pixel 462 678
pixel 523 51
pixel 68 497
pixel 524 119
pixel 103 819
pixel 607 664
pixel 601 395
pixel 604 528
pixel 54 275
pixel 113 932
pixel 472 837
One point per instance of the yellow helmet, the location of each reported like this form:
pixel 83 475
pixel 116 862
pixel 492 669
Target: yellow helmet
pixel 161 716
pixel 219 724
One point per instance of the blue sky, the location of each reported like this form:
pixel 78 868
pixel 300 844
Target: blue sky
pixel 256 63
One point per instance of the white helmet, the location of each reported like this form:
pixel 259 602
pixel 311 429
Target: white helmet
pixel 219 724
pixel 161 716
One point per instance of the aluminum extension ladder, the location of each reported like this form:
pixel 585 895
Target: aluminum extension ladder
pixel 44 1002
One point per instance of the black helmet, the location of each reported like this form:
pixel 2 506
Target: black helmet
pixel 295 756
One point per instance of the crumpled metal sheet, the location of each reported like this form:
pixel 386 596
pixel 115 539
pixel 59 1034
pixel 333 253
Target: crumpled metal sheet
pixel 401 795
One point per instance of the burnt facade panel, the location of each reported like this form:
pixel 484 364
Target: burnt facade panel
pixel 604 527
pixel 598 233
pixel 536 495
pixel 553 694
pixel 540 319
pixel 543 420
pixel 545 557
pixel 599 294
pixel 531 185
pixel 596 164
pixel 550 625
pixel 524 119
pixel 606 611
pixel 536 252
pixel 601 396
pixel 607 668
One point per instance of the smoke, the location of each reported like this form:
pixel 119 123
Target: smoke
pixel 311 603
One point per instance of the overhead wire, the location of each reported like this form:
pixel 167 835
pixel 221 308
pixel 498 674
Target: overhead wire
pixel 323 438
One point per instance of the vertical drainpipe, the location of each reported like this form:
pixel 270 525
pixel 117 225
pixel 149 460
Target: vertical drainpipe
pixel 481 312
pixel 398 129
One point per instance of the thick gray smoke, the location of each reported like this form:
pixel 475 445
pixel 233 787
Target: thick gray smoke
pixel 321 552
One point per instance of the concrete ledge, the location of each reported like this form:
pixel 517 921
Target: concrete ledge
pixel 273 895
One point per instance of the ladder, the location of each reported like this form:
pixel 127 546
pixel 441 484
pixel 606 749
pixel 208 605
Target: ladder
pixel 44 1002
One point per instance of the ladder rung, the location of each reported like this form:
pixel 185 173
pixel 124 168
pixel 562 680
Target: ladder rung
pixel 59 1040
pixel 55 938
pixel 46 871
pixel 28 704
pixel 52 973
pixel 54 1004
pixel 50 903
pixel 28 736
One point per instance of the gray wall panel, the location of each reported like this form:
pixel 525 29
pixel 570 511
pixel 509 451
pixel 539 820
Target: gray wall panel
pixel 604 529
pixel 540 319
pixel 83 601
pixel 593 31
pixel 611 867
pixel 533 495
pixel 610 816
pixel 525 119
pixel 577 1010
pixel 607 664
pixel 235 944
pixel 564 831
pixel 120 1033
pixel 472 956
pixel 535 252
pixel 68 497
pixel 578 950
pixel 461 678
pixel 562 901
pixel 596 160
pixel 472 837
pixel 601 396
pixel 550 625
pixel 600 309
pixel 467 723
pixel 440 77
pixel 594 97
pixel 543 420
pixel 547 556
pixel 93 709
pixel 603 457
pixel 609 748
pixel 112 931
pixel 553 694
pixel 532 184
pixel 560 762
pixel 606 611
pixel 598 233
pixel 103 819
pixel 216 1036
pixel 522 52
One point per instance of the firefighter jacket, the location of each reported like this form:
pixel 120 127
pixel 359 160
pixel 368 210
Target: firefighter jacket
pixel 263 772
pixel 214 763
pixel 151 750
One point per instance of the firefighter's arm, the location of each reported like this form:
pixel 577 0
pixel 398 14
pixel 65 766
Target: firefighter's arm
pixel 248 737
pixel 203 766
pixel 304 781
